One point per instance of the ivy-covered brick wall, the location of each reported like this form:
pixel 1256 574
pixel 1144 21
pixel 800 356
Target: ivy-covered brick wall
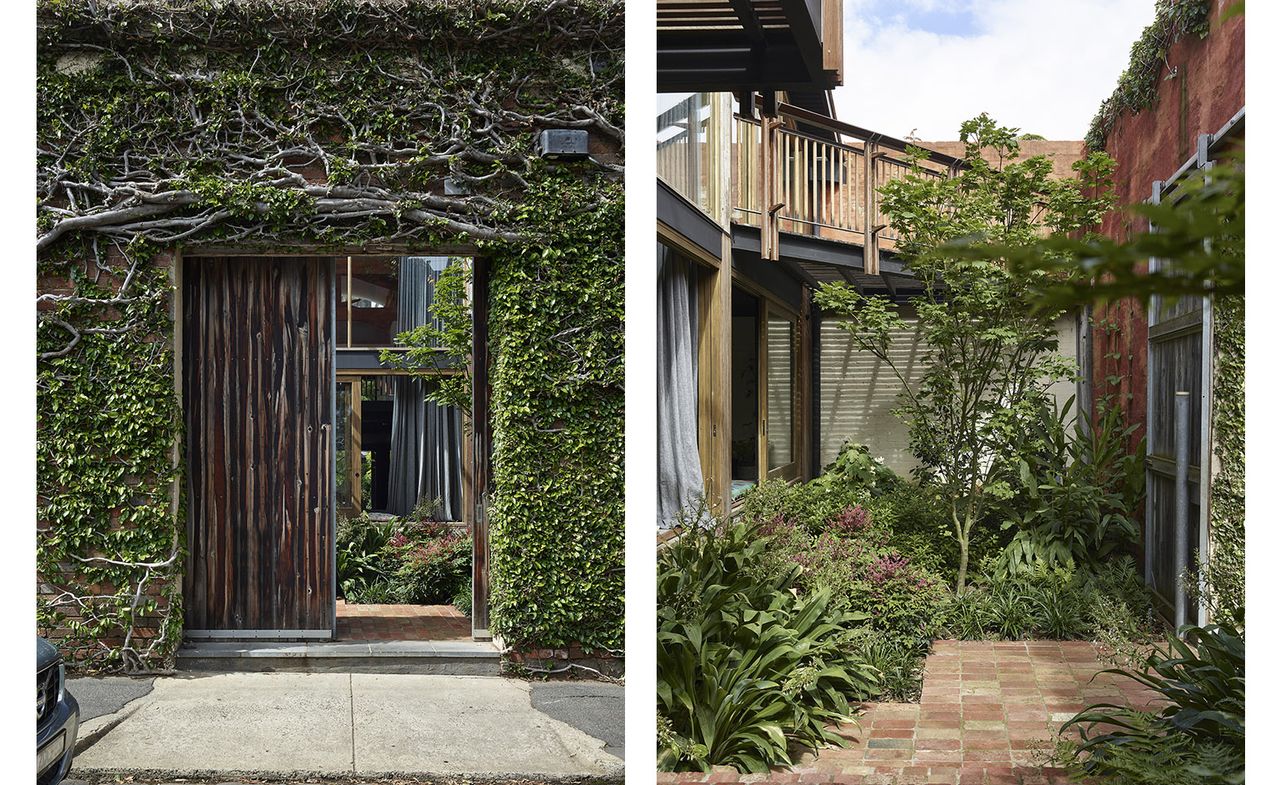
pixel 1223 571
pixel 326 126
pixel 1185 77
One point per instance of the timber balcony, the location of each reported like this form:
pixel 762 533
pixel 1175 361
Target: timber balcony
pixel 794 175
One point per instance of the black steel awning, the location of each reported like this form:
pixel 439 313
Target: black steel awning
pixel 735 45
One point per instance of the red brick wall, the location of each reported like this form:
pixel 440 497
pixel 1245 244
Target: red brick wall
pixel 1207 91
pixel 1062 154
pixel 68 579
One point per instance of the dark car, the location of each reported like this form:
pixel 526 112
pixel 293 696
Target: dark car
pixel 57 717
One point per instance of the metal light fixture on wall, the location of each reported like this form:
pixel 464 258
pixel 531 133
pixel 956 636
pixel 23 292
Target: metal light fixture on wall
pixel 563 144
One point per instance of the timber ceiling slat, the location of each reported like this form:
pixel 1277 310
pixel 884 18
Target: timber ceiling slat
pixel 714 45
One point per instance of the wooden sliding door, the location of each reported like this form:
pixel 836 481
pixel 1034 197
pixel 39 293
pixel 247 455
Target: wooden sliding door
pixel 258 390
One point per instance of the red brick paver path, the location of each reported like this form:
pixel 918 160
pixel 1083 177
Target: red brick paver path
pixel 402 623
pixel 988 714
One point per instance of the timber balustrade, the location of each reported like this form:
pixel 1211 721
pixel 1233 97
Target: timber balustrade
pixel 784 179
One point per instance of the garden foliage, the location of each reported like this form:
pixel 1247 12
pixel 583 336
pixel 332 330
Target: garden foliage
pixel 876 546
pixel 1077 491
pixel 747 667
pixel 1199 736
pixel 1194 734
pixel 402 561
pixel 989 360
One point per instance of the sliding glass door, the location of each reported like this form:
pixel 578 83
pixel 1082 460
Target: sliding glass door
pixel 780 446
pixel 399 453
pixel 765 393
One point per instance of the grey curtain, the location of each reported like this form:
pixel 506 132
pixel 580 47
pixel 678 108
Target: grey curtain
pixel 679 469
pixel 426 438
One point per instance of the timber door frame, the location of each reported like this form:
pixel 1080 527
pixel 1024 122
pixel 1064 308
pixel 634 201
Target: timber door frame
pixel 801 404
pixel 481 448
pixel 476 448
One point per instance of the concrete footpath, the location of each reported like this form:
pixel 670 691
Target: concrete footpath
pixel 292 725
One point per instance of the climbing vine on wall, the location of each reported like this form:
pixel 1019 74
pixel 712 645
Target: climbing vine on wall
pixel 1136 89
pixel 109 552
pixel 1223 572
pixel 321 124
pixel 556 332
pixel 555 320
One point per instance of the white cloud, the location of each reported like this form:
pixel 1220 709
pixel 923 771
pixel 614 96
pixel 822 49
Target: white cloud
pixel 1040 65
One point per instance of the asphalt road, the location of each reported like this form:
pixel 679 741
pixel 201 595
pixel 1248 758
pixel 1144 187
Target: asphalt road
pixel 592 707
pixel 107 694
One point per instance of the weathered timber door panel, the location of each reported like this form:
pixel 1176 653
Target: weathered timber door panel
pixel 258 390
pixel 481 449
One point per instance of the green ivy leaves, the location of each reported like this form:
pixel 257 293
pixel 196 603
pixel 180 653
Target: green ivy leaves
pixel 1138 84
pixel 188 98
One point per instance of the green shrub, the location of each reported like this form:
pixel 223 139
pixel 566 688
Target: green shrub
pixel 1197 735
pixel 852 479
pixel 434 562
pixel 854 466
pixel 866 574
pixel 900 663
pixel 401 561
pixel 462 597
pixel 1076 492
pixel 364 566
pixel 916 524
pixel 964 616
pixel 809 505
pixel 746 667
pixel 1057 603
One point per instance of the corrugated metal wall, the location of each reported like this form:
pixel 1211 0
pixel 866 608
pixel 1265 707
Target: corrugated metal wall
pixel 857 392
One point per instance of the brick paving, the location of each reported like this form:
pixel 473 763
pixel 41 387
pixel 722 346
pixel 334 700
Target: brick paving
pixel 988 714
pixel 402 623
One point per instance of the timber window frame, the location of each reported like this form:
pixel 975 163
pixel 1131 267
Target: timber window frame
pixel 773 309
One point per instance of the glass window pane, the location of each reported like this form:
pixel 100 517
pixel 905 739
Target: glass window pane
pixel 745 389
pixel 384 296
pixel 344 445
pixel 780 390
pixel 691 132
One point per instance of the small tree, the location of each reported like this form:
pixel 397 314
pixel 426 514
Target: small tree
pixel 989 359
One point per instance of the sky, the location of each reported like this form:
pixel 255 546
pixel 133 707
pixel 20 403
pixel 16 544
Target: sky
pixel 926 66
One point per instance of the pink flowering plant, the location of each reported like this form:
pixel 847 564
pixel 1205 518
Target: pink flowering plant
pixel 402 561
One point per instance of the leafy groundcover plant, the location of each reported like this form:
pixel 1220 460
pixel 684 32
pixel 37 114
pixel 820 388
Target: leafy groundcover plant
pixel 879 544
pixel 749 669
pixel 1196 735
pixel 1109 604
pixel 402 561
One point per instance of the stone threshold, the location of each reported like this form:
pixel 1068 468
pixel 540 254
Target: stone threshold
pixel 456 658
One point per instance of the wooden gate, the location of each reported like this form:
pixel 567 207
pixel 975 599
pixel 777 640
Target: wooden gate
pixel 1178 357
pixel 258 390
pixel 1179 360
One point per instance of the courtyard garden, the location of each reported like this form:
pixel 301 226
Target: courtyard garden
pixel 409 560
pixel 984 619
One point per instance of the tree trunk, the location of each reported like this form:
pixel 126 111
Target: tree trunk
pixel 962 537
